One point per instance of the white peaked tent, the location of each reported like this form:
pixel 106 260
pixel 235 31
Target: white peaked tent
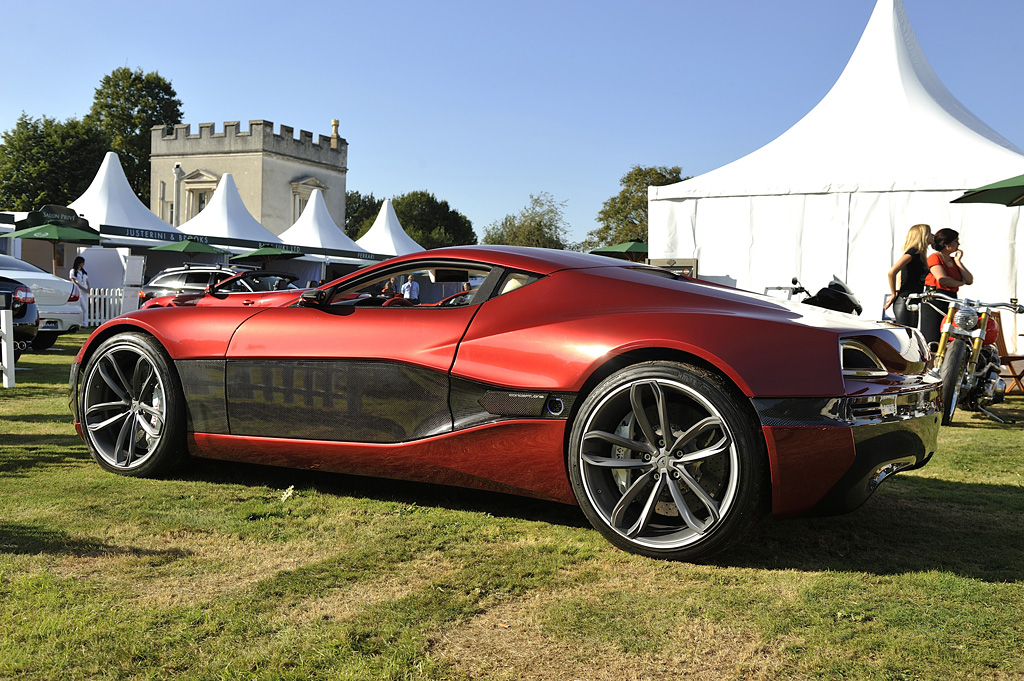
pixel 316 229
pixel 386 236
pixel 887 148
pixel 109 200
pixel 226 216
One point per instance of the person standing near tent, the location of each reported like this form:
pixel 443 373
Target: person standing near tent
pixel 946 273
pixel 912 268
pixel 81 277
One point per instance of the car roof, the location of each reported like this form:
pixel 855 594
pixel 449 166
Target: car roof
pixel 204 267
pixel 539 260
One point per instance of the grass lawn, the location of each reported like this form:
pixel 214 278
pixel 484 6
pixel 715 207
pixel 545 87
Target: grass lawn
pixel 230 571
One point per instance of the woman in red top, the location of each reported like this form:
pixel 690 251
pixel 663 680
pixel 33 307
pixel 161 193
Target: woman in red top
pixel 946 273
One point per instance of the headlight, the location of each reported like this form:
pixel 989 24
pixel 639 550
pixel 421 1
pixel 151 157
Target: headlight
pixel 859 360
pixel 966 319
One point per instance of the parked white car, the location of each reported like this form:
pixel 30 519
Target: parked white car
pixel 56 298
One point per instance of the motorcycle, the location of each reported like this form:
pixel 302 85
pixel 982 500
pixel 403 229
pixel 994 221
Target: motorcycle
pixel 967 358
pixel 836 296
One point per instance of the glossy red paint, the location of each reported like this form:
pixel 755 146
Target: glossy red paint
pixel 184 332
pixel 732 331
pixel 407 335
pixel 801 476
pixel 515 457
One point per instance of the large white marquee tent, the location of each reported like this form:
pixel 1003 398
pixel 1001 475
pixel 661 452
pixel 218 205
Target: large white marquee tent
pixel 888 147
pixel 386 234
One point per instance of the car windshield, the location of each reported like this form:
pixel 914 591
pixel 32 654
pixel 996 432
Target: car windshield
pixel 10 263
pixel 258 282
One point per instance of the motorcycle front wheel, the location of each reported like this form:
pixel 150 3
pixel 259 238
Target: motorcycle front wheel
pixel 952 373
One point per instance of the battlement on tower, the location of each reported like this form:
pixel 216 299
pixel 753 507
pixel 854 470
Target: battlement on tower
pixel 179 141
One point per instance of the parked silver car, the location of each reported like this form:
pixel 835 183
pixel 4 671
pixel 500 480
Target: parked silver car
pixel 56 298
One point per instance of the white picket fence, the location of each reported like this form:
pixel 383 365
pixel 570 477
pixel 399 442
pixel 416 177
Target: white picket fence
pixel 104 304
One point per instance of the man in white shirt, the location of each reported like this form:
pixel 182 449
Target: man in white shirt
pixel 411 291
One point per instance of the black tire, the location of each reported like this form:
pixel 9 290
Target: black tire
pixel 952 372
pixel 44 340
pixel 132 407
pixel 685 499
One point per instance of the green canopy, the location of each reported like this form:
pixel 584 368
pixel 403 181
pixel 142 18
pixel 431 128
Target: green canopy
pixel 56 234
pixel 267 254
pixel 627 250
pixel 189 247
pixel 1009 192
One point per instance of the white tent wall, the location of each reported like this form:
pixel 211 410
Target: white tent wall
pixel 758 241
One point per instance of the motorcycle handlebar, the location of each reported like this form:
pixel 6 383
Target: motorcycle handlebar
pixel 936 295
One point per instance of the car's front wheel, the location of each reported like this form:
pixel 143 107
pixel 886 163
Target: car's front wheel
pixel 132 407
pixel 666 462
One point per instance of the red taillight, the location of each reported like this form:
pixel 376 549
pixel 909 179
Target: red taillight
pixel 23 294
pixel 74 294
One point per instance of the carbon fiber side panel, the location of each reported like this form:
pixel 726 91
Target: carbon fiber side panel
pixel 345 401
pixel 202 381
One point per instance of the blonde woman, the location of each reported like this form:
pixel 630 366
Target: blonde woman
pixel 912 267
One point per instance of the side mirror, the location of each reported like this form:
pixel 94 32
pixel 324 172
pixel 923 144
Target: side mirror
pixel 312 298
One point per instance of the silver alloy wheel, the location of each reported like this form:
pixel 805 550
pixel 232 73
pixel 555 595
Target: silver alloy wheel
pixel 124 406
pixel 659 463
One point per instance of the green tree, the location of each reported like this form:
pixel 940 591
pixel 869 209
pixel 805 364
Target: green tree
pixel 623 217
pixel 360 212
pixel 432 223
pixel 540 224
pixel 46 161
pixel 126 106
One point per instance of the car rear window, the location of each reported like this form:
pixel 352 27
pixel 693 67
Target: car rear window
pixel 12 263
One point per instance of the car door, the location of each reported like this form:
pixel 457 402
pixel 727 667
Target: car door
pixel 344 373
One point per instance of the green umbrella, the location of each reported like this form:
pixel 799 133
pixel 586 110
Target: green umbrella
pixel 267 254
pixel 188 246
pixel 1008 192
pixel 56 234
pixel 628 250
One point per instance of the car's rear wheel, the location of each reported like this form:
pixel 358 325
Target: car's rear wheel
pixel 132 407
pixel 666 462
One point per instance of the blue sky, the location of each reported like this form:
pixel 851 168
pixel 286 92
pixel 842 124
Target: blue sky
pixel 483 103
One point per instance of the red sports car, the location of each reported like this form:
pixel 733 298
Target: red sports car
pixel 674 412
pixel 257 288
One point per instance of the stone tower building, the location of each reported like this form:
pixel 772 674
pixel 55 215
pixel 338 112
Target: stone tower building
pixel 275 173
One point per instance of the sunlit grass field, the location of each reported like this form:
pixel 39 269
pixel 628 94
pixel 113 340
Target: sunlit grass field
pixel 229 571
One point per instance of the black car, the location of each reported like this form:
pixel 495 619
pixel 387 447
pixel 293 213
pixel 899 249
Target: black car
pixel 26 314
pixel 186 279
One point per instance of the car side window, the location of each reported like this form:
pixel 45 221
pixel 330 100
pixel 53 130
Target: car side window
pixel 423 285
pixel 168 281
pixel 514 280
pixel 238 285
pixel 197 280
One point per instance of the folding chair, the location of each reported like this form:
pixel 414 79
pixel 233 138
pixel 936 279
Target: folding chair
pixel 1012 371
